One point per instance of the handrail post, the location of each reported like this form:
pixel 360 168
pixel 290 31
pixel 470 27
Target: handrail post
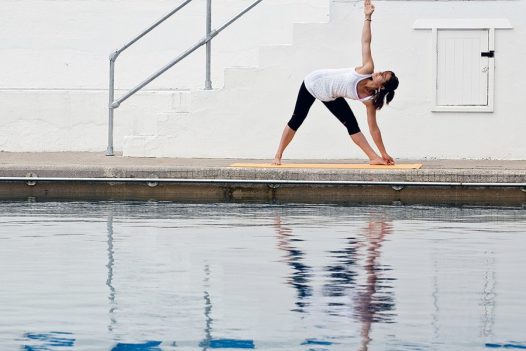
pixel 111 107
pixel 208 81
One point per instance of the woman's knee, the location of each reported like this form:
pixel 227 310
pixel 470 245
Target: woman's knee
pixel 296 121
pixel 352 128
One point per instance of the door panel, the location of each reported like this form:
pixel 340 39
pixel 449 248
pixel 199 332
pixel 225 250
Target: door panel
pixel 462 73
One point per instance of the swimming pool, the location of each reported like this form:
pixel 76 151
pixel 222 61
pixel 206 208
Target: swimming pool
pixel 168 276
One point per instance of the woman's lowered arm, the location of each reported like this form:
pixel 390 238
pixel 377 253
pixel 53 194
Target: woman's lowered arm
pixel 375 132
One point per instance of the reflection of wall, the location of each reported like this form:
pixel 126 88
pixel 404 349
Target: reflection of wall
pixel 354 281
pixel 450 278
pixel 454 272
pixel 178 300
pixel 442 263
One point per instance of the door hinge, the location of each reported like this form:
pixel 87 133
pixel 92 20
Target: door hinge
pixel 488 54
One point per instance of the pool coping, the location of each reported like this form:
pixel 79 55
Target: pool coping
pixel 95 176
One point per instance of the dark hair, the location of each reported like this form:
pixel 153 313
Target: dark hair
pixel 388 91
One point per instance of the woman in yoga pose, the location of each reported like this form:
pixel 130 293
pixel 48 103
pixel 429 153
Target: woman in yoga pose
pixel 332 86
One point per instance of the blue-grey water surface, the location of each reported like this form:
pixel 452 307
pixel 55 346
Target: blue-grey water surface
pixel 130 276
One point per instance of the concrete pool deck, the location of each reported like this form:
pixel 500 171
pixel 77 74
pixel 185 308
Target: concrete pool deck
pixel 72 175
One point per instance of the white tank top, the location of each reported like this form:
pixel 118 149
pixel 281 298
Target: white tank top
pixel 330 84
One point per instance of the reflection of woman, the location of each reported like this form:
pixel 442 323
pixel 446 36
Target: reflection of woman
pixel 368 305
pixel 371 301
pixel 332 86
pixel 294 257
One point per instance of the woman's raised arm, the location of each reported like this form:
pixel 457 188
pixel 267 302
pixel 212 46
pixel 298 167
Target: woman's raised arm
pixel 367 59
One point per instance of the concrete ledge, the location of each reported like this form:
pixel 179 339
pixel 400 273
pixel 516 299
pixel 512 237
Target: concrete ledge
pixel 225 192
pixel 95 176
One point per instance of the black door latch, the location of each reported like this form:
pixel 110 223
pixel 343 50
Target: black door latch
pixel 488 54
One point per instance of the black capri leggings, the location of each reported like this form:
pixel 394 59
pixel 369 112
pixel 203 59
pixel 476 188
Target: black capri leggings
pixel 339 107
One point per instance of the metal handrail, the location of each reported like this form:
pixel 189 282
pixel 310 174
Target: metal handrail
pixel 210 34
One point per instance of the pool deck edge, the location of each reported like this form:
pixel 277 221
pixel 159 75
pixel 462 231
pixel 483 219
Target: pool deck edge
pixel 216 181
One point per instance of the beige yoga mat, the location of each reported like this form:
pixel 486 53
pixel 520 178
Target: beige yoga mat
pixel 328 165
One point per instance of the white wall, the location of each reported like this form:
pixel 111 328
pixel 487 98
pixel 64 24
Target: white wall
pixel 53 84
pixel 54 54
pixel 409 128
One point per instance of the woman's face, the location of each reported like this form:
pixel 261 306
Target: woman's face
pixel 380 78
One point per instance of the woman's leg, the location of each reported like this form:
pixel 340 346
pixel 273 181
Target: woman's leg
pixel 341 109
pixel 303 105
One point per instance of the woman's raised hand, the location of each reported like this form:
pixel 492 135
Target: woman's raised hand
pixel 368 8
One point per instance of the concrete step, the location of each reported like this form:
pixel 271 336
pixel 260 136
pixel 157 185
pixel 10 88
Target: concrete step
pixel 146 122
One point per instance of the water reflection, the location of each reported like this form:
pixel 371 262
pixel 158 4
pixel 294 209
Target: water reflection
pixel 49 341
pixel 342 273
pixel 208 311
pixel 217 343
pixel 369 299
pixel 338 288
pixel 477 268
pixel 294 257
pixel 150 345
pixel 109 265
pixel 375 298
pixel 488 295
pixel 144 346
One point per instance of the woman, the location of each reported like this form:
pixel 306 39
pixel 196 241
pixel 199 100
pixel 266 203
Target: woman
pixel 332 86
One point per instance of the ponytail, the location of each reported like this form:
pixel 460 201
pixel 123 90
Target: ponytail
pixel 387 93
pixel 378 99
pixel 389 97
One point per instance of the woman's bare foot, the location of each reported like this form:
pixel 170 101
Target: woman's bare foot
pixel 378 161
pixel 277 161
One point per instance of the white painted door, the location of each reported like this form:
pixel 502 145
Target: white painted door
pixel 462 72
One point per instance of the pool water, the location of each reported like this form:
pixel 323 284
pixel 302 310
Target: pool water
pixel 167 276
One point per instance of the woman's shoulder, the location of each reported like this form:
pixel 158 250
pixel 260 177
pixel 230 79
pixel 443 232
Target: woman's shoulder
pixel 365 70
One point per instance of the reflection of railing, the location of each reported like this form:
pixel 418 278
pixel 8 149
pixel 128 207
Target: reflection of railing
pixel 487 296
pixel 153 345
pixel 210 34
pixel 109 280
pixel 217 343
